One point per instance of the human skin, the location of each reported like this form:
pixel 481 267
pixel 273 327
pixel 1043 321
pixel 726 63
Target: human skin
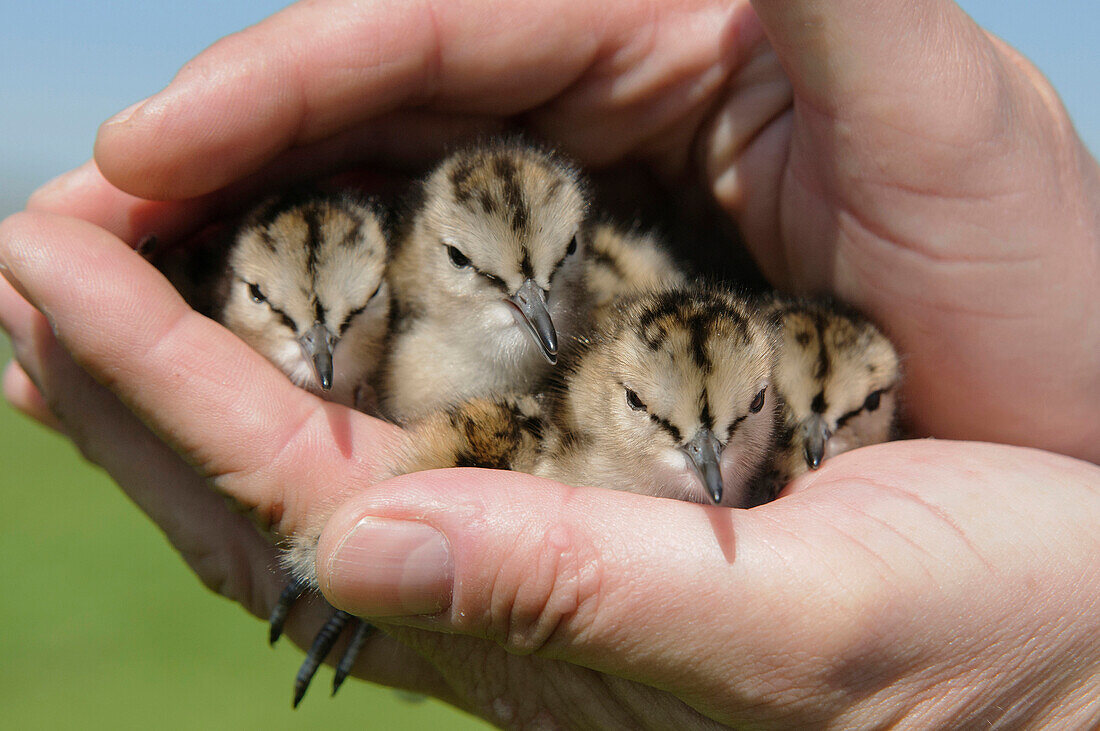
pixel 850 600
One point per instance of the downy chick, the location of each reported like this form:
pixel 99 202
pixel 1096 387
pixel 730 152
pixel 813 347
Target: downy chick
pixel 488 277
pixel 621 263
pixel 669 398
pixel 301 281
pixel 499 433
pixel 837 376
pixel 496 433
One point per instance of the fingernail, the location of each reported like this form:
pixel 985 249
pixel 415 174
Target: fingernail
pixel 9 276
pixel 124 116
pixel 390 568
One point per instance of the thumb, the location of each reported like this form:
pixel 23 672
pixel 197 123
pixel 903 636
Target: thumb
pixel 843 597
pixel 843 52
pixel 621 583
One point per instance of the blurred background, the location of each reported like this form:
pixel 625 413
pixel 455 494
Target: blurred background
pixel 100 622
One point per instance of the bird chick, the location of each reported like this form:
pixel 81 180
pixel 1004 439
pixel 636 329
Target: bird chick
pixel 622 263
pixel 301 281
pixel 487 278
pixel 837 376
pixel 669 398
pixel 500 433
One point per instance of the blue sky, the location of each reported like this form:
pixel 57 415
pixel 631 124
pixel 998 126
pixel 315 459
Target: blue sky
pixel 66 66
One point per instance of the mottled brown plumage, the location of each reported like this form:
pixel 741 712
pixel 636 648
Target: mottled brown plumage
pixel 675 372
pixel 621 263
pixel 838 377
pixel 487 277
pixel 301 270
pixel 503 433
pixel 631 400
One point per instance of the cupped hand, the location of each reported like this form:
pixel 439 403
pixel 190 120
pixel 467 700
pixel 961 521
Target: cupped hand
pixel 929 584
pixel 896 156
pixel 929 175
pixel 167 469
pixel 928 581
pixel 905 161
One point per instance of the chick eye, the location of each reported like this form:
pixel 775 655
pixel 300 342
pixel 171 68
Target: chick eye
pixel 572 247
pixel 256 294
pixel 872 401
pixel 633 401
pixel 758 401
pixel 457 257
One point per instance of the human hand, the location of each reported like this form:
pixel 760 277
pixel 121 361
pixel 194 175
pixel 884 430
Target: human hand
pixel 924 171
pixel 850 600
pixel 220 543
pixel 929 175
pixel 587 122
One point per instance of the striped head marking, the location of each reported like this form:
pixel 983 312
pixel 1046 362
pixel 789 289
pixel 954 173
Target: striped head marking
pixel 307 275
pixel 498 236
pixel 837 374
pixel 679 386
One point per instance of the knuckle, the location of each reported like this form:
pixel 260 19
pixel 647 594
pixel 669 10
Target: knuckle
pixel 549 593
pixel 275 484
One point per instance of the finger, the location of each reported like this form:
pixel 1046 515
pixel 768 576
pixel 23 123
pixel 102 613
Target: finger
pixel 156 479
pixel 402 141
pixel 224 549
pixel 20 321
pixel 837 53
pixel 650 105
pixel 22 394
pixel 743 149
pixel 194 383
pixel 31 340
pixel 616 582
pixel 316 69
pixel 222 546
pixel 711 603
pixel 85 194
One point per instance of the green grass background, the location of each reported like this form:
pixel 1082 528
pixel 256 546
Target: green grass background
pixel 103 626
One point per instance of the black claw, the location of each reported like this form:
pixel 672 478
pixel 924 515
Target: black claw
pixel 289 595
pixel 318 651
pixel 363 631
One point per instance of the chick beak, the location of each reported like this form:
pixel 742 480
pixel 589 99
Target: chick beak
pixel 317 346
pixel 815 433
pixel 529 304
pixel 704 451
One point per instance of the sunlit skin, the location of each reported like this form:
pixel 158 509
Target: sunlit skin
pixel 893 155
